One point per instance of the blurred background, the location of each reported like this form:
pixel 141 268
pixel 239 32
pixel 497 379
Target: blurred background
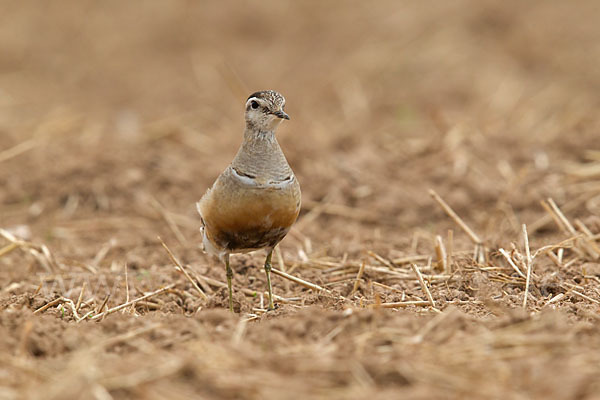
pixel 116 116
pixel 113 113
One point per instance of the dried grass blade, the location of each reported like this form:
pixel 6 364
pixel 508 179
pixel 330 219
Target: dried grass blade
pixel 168 219
pixel 452 214
pixel 8 248
pixel 423 284
pixel 18 149
pixel 80 298
pixel 527 263
pixel 180 268
pixel 440 252
pixel 512 263
pixel 50 304
pixel 381 259
pixel 127 304
pixel 400 304
pixel 299 281
pixel 359 275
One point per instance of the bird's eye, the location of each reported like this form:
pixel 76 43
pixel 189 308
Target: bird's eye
pixel 254 105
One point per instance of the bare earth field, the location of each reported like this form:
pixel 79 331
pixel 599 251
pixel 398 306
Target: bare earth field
pixel 115 117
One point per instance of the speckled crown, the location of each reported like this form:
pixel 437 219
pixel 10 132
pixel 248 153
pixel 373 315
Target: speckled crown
pixel 271 96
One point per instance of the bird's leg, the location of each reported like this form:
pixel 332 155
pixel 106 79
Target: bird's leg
pixel 268 272
pixel 229 277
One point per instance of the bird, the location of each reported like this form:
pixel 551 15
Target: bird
pixel 256 199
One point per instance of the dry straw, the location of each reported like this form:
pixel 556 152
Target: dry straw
pixel 129 303
pixel 528 264
pixel 479 252
pixel 359 275
pixel 423 285
pixel 180 268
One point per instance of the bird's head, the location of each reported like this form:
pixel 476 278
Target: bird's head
pixel 264 110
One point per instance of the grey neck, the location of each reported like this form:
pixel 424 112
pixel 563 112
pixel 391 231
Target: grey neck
pixel 251 133
pixel 260 155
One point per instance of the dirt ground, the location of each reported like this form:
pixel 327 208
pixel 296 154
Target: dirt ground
pixel 116 117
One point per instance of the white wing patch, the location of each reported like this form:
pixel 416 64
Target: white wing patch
pixel 245 179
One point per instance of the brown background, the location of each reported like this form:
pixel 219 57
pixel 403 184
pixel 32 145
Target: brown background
pixel 116 117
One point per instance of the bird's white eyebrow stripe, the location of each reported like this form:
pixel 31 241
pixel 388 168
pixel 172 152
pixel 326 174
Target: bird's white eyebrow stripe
pixel 250 181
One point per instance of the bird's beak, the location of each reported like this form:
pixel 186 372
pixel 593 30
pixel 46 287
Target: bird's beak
pixel 281 114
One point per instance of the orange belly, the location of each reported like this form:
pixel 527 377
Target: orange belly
pixel 239 220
